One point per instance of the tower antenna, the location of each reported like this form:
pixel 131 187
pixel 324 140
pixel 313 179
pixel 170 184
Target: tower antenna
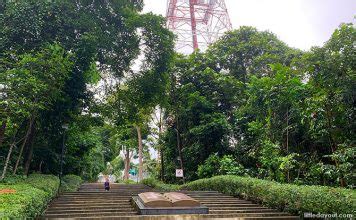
pixel 197 23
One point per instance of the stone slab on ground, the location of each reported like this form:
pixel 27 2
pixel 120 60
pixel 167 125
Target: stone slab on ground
pixel 181 200
pixel 144 210
pixel 153 200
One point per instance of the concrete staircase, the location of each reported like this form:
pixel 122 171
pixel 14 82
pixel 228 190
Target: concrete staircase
pixel 91 201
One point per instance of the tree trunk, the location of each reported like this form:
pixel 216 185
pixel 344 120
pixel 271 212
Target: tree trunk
pixel 180 149
pixel 40 167
pixel 140 161
pixel 287 143
pixel 2 131
pixel 160 158
pixel 162 166
pixel 29 130
pixel 7 161
pixel 30 151
pixel 127 164
pixel 8 156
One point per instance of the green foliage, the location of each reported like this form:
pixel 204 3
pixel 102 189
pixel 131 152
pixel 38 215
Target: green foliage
pixel 47 183
pixel 247 51
pixel 229 166
pixel 31 197
pixel 70 183
pixel 215 165
pixel 210 167
pixel 35 81
pixel 129 181
pixel 286 197
pixel 159 185
pixel 13 179
pixel 52 52
pixel 282 114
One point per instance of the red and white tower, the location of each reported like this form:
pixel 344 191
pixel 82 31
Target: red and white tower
pixel 197 23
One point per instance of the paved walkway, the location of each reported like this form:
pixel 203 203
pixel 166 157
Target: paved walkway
pixel 91 201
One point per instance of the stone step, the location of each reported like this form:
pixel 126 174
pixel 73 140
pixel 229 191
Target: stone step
pixel 54 204
pixel 228 203
pixel 251 214
pixel 84 214
pixel 233 211
pixel 92 207
pixel 111 189
pixel 115 210
pixel 231 204
pixel 194 217
pixel 102 191
pixel 216 200
pixel 239 217
pixel 221 199
pixel 91 202
pixel 94 198
pixel 101 194
pixel 113 186
pixel 211 197
pixel 235 208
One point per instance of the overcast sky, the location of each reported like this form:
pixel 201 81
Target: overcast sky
pixel 300 23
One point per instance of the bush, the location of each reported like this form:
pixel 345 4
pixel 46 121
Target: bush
pixel 159 185
pixel 216 165
pixel 129 182
pixel 12 179
pixel 285 197
pixel 47 183
pixel 210 167
pixel 31 197
pixel 70 183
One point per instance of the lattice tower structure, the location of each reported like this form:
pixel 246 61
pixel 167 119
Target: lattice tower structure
pixel 197 23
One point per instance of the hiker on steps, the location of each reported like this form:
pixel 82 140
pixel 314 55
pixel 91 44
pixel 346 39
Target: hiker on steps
pixel 107 184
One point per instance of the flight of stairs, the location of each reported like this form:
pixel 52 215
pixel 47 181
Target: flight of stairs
pixel 91 201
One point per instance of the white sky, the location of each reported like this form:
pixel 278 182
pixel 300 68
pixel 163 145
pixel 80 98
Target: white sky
pixel 299 23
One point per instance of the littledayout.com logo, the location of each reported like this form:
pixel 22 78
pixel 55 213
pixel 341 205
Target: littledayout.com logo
pixel 327 216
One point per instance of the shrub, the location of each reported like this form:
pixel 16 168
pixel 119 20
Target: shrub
pixel 12 179
pixel 285 197
pixel 70 183
pixel 216 165
pixel 26 202
pixel 31 197
pixel 210 167
pixel 159 185
pixel 129 181
pixel 47 183
pixel 228 165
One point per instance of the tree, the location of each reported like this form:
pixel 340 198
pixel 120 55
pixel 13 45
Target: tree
pixel 102 38
pixel 33 84
pixel 246 51
pixel 329 114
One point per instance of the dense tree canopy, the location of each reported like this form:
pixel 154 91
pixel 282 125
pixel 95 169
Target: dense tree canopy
pixel 249 105
pixel 92 38
pixel 281 113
